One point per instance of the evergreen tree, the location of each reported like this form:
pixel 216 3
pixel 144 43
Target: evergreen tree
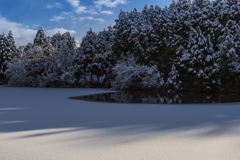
pixel 16 72
pixel 60 71
pixel 41 38
pixel 109 58
pixel 11 45
pixel 193 67
pixel 2 57
pixel 36 59
pixel 228 60
pixel 190 45
pixel 98 64
pixel 7 52
pixel 120 46
pixel 78 68
pixel 88 51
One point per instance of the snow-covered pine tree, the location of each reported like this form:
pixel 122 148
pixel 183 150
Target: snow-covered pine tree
pixel 27 51
pixel 135 34
pixel 41 38
pixel 36 59
pixel 11 45
pixel 193 69
pixel 120 45
pixel 88 51
pixel 168 28
pixel 19 51
pixel 16 72
pixel 194 44
pixel 109 58
pixel 147 41
pixel 55 40
pixel 152 12
pixel 55 57
pixel 60 70
pixel 78 68
pixel 107 38
pixel 2 57
pixel 183 6
pixel 200 3
pixel 7 52
pixel 228 59
pixel 99 59
pixel 234 67
pixel 141 49
pixel 70 50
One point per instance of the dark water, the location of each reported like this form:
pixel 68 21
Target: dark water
pixel 160 97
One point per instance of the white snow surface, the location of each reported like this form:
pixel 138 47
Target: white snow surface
pixel 44 124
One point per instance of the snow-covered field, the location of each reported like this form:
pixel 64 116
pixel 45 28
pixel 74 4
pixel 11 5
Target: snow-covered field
pixel 43 124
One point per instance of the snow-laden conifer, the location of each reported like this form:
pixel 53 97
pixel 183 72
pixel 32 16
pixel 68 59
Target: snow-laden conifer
pixel 88 51
pixel 7 52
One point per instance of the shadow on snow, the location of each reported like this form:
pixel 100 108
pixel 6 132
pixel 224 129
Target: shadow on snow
pixel 26 109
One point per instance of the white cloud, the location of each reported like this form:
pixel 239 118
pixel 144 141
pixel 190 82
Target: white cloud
pixel 91 18
pixel 99 19
pixel 61 30
pixel 22 33
pixel 68 15
pixel 96 7
pixel 57 18
pixel 74 3
pixel 84 18
pixel 36 26
pixel 64 15
pixel 78 8
pixel 109 3
pixel 92 11
pixel 107 12
pixel 81 9
pixel 56 5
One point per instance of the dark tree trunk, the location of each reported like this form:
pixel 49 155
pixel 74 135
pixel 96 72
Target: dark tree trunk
pixel 98 80
pixel 91 77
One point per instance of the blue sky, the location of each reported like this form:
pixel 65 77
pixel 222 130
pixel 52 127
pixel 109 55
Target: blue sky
pixel 24 17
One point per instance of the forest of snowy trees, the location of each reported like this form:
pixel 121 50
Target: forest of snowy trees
pixel 189 45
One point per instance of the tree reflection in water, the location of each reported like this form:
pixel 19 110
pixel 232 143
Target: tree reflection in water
pixel 152 97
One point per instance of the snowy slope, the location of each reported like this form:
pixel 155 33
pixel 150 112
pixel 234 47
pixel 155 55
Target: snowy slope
pixel 40 123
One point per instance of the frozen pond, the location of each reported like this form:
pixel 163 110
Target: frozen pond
pixel 45 123
pixel 160 97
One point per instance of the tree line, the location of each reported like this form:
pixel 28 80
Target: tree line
pixel 189 45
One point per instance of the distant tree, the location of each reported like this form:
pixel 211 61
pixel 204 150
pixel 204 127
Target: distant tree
pixel 33 63
pixel 88 51
pixel 98 63
pixel 11 45
pixel 7 52
pixel 189 45
pixel 59 72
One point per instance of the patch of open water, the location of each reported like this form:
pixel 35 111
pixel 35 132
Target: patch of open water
pixel 151 97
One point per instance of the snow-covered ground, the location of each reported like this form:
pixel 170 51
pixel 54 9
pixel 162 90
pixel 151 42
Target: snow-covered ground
pixel 43 124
